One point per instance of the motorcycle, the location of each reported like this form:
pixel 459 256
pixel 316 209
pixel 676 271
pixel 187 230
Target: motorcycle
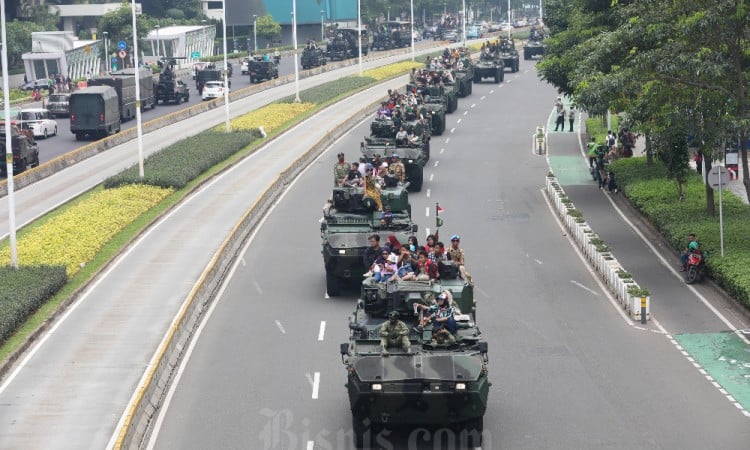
pixel 694 269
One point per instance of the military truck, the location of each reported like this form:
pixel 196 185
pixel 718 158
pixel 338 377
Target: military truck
pixel 489 66
pixel 534 46
pixel 393 34
pixel 170 89
pixel 313 57
pixel 259 70
pixel 413 157
pixel 509 55
pixel 437 383
pixel 123 82
pixel 344 44
pixel 347 225
pixel 25 149
pixel 206 75
pixel 95 112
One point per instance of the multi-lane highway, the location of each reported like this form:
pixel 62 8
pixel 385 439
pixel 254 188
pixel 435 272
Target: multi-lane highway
pixel 569 371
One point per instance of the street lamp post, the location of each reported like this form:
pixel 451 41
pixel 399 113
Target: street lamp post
pixel 226 66
pixel 8 147
pixel 156 27
pixel 255 33
pixel 106 51
pixel 322 26
pixel 137 92
pixel 294 43
pixel 509 26
pixel 463 20
pixel 359 32
pixel 412 29
pixel 389 14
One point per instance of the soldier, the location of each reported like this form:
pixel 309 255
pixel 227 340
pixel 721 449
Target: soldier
pixel 394 332
pixel 456 254
pixel 340 170
pixel 443 337
pixel 398 168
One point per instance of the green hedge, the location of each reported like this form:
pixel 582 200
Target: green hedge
pixel 23 291
pixel 183 161
pixel 328 91
pixel 656 197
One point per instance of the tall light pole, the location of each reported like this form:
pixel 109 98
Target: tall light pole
pixel 463 20
pixel 158 51
pixel 359 32
pixel 509 25
pixel 137 92
pixel 226 66
pixel 411 3
pixel 322 26
pixel 541 14
pixel 106 51
pixel 255 33
pixel 8 148
pixel 294 44
pixel 389 12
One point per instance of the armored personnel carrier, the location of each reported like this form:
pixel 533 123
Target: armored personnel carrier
pixel 436 382
pixel 25 150
pixel 170 89
pixel 509 55
pixel 489 66
pixel 462 83
pixel 347 224
pixel 467 67
pixel 259 70
pixel 534 46
pixel 387 128
pixel 413 158
pixel 446 95
pixel 313 57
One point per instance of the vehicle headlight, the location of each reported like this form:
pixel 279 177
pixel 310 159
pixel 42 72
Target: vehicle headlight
pixel 377 387
pixel 460 386
pixel 342 252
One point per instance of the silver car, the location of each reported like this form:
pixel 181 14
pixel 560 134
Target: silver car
pixel 58 105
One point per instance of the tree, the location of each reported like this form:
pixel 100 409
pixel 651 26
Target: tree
pixel 267 27
pixel 19 39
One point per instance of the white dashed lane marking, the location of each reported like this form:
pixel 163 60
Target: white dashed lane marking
pixel 436 163
pixel 427 211
pixel 473 105
pixel 280 327
pixel 466 112
pixel 432 175
pixel 447 140
pixel 428 193
pixel 453 129
pixel 457 122
pixel 315 383
pixel 442 150
pixel 322 331
pixel 483 97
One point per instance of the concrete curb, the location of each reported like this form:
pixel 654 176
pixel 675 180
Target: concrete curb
pixel 604 262
pixel 153 387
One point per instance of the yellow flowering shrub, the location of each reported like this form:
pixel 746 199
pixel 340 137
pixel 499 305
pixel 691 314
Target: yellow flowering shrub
pixel 391 70
pixel 77 234
pixel 270 116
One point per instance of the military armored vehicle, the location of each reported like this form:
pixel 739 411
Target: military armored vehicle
pixel 467 68
pixel 25 150
pixel 393 34
pixel 259 70
pixel 347 225
pixel 489 66
pixel 509 55
pixel 435 383
pixel 170 89
pixel 413 158
pixel 446 95
pixel 534 46
pixel 435 111
pixel 344 44
pixel 313 57
pixel 387 128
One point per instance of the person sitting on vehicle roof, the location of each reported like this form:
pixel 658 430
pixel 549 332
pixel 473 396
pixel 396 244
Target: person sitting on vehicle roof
pixel 353 178
pixel 394 332
pixel 401 136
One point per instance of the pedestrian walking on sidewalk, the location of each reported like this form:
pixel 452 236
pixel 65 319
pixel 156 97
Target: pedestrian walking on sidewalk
pixel 560 122
pixel 698 158
pixel 571 118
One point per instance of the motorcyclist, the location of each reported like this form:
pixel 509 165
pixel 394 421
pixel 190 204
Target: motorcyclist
pixel 692 247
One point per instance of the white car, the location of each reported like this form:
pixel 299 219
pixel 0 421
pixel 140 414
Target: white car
pixel 243 66
pixel 38 120
pixel 213 89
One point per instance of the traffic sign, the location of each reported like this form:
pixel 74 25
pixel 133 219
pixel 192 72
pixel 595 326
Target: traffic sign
pixel 115 59
pixel 718 177
pixel 195 55
pixel 122 54
pixel 122 45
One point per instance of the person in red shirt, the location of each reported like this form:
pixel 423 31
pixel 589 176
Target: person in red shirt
pixel 426 268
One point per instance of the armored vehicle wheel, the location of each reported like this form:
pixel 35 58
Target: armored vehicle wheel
pixel 333 285
pixel 502 75
pixel 359 429
pixel 455 103
pixel 526 54
pixel 21 165
pixel 497 78
pixel 35 163
pixel 79 136
pixel 471 87
pixel 474 430
pixel 415 182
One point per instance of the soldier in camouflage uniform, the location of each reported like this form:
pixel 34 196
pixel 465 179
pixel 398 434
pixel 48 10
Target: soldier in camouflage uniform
pixel 340 170
pixel 394 332
pixel 443 337
pixel 398 168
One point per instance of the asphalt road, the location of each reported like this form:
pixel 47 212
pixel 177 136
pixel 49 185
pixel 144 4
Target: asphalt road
pixel 66 142
pixel 569 371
